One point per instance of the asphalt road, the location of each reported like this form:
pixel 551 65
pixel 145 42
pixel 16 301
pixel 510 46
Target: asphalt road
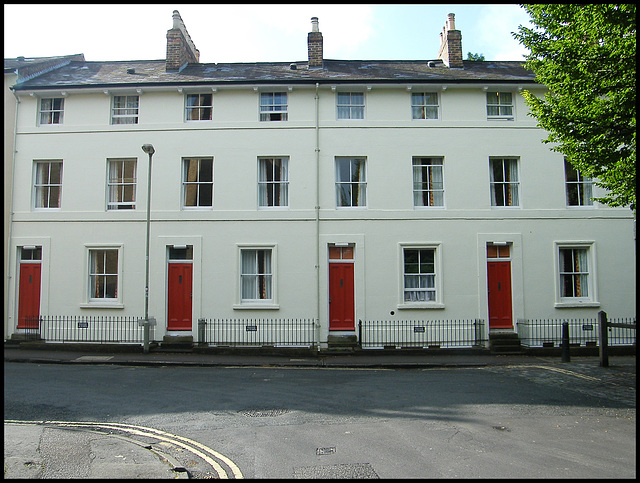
pixel 536 420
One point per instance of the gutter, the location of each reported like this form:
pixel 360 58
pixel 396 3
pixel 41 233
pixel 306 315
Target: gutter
pixel 10 229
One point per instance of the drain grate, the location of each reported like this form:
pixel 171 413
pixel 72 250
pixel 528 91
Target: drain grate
pixel 263 413
pixel 321 451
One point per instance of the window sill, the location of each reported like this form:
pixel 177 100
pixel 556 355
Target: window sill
pixel 576 304
pixel 256 306
pixel 102 305
pixel 421 305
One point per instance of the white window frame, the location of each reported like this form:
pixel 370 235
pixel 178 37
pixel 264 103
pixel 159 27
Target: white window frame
pixel 506 180
pixel 197 183
pixel 103 302
pixel 591 299
pixel 38 186
pixel 51 112
pixel 199 107
pixel 118 186
pixel 424 107
pixel 438 302
pixel 257 303
pixel 418 194
pixel 362 183
pixel 582 185
pixel 270 109
pixel 117 114
pixel 351 107
pixel 272 186
pixel 505 110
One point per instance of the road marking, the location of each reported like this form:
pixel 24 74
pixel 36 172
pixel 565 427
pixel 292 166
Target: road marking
pixel 188 444
pixel 562 371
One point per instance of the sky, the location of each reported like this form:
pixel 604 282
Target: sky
pixel 260 32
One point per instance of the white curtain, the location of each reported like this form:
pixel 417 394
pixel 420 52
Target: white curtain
pixel 256 274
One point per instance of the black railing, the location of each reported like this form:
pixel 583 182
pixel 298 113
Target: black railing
pixel 257 332
pixel 582 332
pixel 378 334
pixel 94 329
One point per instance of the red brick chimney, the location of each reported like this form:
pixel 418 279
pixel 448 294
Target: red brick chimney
pixel 180 48
pixel 314 45
pixel 451 44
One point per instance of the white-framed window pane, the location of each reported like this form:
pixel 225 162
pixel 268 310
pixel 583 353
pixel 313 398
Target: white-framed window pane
pixel 48 184
pixel 424 105
pixel 51 110
pixel 500 104
pixel 504 181
pixel 428 184
pixel 273 106
pixel 351 183
pixel 419 275
pixel 197 182
pixel 256 274
pixel 579 188
pixel 125 110
pixel 103 273
pixel 121 184
pixel 350 105
pixel 273 182
pixel 574 273
pixel 199 107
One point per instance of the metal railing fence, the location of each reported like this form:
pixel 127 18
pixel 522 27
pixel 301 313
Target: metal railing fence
pixel 257 332
pixel 378 334
pixel 81 328
pixel 582 332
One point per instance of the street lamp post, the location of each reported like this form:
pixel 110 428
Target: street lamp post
pixel 149 149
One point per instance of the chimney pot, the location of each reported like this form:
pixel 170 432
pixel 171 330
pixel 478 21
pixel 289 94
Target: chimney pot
pixel 314 24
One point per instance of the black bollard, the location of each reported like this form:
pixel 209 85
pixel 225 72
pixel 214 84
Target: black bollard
pixel 565 342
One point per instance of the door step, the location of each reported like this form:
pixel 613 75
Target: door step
pixel 177 342
pixel 342 343
pixel 505 343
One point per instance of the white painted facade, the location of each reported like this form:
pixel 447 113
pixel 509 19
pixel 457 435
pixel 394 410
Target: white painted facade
pixel 298 234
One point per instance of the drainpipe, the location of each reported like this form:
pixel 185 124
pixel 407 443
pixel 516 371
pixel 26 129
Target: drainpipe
pixel 10 230
pixel 317 209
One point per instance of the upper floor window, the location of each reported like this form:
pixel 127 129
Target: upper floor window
pixel 199 107
pixel 48 184
pixel 504 181
pixel 51 110
pixel 121 184
pixel 273 182
pixel 351 182
pixel 579 189
pixel 499 105
pixel 273 106
pixel 197 182
pixel 124 110
pixel 350 105
pixel 424 105
pixel 428 185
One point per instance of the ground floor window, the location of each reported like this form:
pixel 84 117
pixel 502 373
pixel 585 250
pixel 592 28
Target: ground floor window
pixel 419 274
pixel 256 275
pixel 103 274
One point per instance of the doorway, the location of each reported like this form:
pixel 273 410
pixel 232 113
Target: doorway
pixel 180 288
pixel 341 288
pixel 29 287
pixel 499 286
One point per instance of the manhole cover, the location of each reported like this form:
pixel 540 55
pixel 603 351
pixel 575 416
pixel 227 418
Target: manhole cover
pixel 263 413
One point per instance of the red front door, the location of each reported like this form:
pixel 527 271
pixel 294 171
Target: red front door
pixel 29 296
pixel 341 297
pixel 179 296
pixel 499 286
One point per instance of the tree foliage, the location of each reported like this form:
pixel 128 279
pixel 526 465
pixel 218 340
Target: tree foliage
pixel 475 56
pixel 586 55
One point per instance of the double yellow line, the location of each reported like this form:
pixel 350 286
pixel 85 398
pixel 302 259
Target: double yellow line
pixel 207 454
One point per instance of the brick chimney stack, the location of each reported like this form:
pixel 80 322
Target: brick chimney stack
pixel 180 48
pixel 451 44
pixel 314 45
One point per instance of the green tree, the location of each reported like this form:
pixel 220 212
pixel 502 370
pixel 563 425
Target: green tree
pixel 586 56
pixel 475 56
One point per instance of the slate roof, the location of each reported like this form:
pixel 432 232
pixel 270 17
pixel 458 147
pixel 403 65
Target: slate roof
pixel 153 73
